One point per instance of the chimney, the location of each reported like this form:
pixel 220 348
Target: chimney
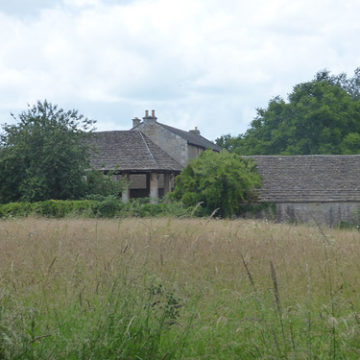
pixel 150 118
pixel 196 131
pixel 136 121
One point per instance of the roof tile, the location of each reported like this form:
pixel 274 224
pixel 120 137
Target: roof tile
pixel 129 151
pixel 309 178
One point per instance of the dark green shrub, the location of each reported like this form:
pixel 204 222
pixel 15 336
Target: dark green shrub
pixel 221 182
pixel 109 207
pixel 83 207
pixel 52 208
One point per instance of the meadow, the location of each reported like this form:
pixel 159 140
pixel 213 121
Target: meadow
pixel 177 289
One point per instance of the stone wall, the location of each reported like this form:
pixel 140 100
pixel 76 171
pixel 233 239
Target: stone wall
pixel 329 213
pixel 171 143
pixel 194 151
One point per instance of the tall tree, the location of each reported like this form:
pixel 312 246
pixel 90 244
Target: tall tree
pixel 321 117
pixel 44 154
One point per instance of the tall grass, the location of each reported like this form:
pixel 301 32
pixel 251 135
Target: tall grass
pixel 177 289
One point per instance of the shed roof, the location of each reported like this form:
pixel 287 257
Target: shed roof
pixel 309 178
pixel 129 151
pixel 192 138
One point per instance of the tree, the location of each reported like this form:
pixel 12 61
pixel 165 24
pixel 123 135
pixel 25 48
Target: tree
pixel 321 117
pixel 221 181
pixel 44 155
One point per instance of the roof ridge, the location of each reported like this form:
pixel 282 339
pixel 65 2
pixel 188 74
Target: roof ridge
pixel 191 138
pixel 184 131
pixel 147 147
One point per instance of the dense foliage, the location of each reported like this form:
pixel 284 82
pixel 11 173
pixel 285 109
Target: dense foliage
pixel 44 155
pixel 320 117
pixel 222 181
pixel 98 207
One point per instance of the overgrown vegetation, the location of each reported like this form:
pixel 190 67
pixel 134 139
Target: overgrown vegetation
pixel 177 289
pixel 221 182
pixel 98 207
pixel 320 117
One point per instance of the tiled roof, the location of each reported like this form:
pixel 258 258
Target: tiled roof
pixel 312 178
pixel 129 151
pixel 192 138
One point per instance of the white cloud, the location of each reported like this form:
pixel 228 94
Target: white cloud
pixel 81 3
pixel 206 63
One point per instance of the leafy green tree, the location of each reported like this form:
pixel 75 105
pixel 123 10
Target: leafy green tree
pixel 44 155
pixel 223 181
pixel 321 117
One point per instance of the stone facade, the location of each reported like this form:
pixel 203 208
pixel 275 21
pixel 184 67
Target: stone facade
pixel 172 144
pixel 181 145
pixel 193 152
pixel 330 213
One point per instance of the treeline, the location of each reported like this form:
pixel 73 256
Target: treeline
pixel 319 117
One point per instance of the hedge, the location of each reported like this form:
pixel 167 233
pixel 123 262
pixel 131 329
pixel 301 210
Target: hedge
pixel 107 208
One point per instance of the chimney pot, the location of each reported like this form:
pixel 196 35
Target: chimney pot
pixel 195 131
pixel 148 118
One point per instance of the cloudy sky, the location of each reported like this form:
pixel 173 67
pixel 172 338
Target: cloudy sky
pixel 205 63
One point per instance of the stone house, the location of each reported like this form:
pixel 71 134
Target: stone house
pixel 179 144
pixel 324 189
pixel 148 156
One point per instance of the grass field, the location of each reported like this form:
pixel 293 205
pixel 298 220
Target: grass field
pixel 177 289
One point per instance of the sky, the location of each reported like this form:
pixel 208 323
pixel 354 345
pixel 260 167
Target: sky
pixel 204 63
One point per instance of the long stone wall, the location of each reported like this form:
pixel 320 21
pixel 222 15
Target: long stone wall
pixel 330 213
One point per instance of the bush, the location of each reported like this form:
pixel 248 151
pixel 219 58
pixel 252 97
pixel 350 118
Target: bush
pixel 107 207
pixel 15 209
pixel 222 182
